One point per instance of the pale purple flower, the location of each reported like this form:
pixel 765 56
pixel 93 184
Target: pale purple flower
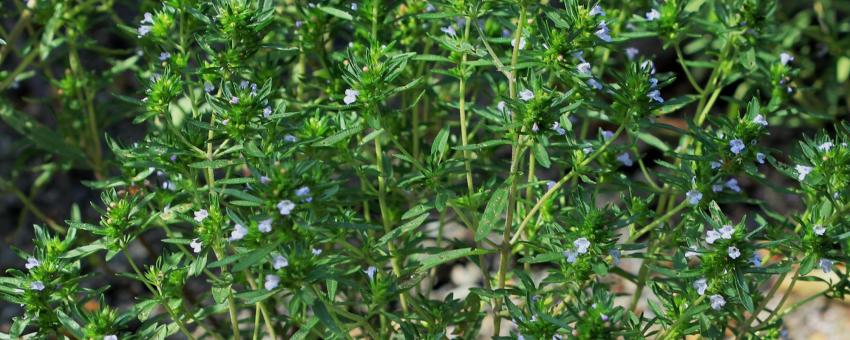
pixel 615 256
pixel 736 146
pixel 550 185
pixel 164 56
pixel 631 53
pixel 201 215
pixel 370 272
pixel 521 43
pixel 587 150
pixel 208 87
pixel 535 128
pixel 234 100
pixel 271 282
pixel 602 32
pixel 583 68
pixel 526 95
pixel 717 187
pixel 290 139
pixel 265 225
pixel 596 10
pixel 825 147
pixel 571 256
pixel 727 231
pixel 756 260
pixel 267 111
pixel 302 191
pixel 595 84
pixel 785 58
pixel 760 120
pixel 238 233
pixel 648 65
pixel 653 15
pixel 450 31
pixel 693 197
pixel 32 263
pixel 690 253
pixel 802 171
pixel 825 265
pixel 732 184
pixel 717 302
pixel 581 245
pixel 701 285
pixel 819 229
pixel 148 18
pixel 316 251
pixel 655 95
pixel 196 245
pixel 760 157
pixel 606 135
pixel 280 262
pixel 625 158
pixel 110 337
pixel 350 96
pixel 715 165
pixel 354 6
pixel 558 129
pixel 244 84
pixel 265 179
pixel 143 30
pixel 711 236
pixel 285 207
pixel 733 252
pixel 501 106
pixel 37 285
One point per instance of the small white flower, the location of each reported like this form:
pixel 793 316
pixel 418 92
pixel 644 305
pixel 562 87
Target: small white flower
pixel 825 147
pixel 701 285
pixel 648 65
pixel 110 337
pixel 350 96
pixel 760 157
pixel 715 165
pixel 271 282
pixel 164 56
pixel 234 100
pixel 717 187
pixel 267 111
pixel 370 272
pixel 825 265
pixel 733 252
pixel 596 10
pixel 736 146
pixel 655 95
pixel 756 260
pixel 526 95
pixel 653 83
pixel 430 8
pixel 690 253
pixel 265 226
pixel 148 18
pixel 285 207
pixel 280 262
pixel 450 31
pixel 711 236
pixel 727 231
pixel 521 43
pixel 208 87
pixel 354 6
pixel 581 245
pixel 819 230
pixel 238 233
pixel 501 106
pixel 717 302
pixel 558 129
pixel 802 171
pixel 143 30
pixel 602 32
pixel 550 185
pixel 625 158
pixel 785 58
pixel 201 215
pixel 316 251
pixel 535 128
pixel 760 120
pixel 290 139
pixel 732 184
pixel 631 53
pixel 244 84
pixel 571 256
pixel 595 84
pixel 196 245
pixel 583 68
pixel 32 263
pixel 37 285
pixel 693 197
pixel 653 15
pixel 587 150
pixel 606 135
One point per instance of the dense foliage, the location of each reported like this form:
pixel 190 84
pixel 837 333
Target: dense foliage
pixel 301 162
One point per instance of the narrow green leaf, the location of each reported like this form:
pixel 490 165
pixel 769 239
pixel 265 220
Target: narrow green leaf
pixel 492 213
pixel 339 136
pixel 403 229
pixel 434 260
pixel 336 12
pixel 541 155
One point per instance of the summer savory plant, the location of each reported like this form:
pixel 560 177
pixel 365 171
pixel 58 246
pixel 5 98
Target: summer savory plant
pixel 302 161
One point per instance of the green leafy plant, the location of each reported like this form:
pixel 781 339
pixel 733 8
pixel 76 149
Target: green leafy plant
pixel 302 164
